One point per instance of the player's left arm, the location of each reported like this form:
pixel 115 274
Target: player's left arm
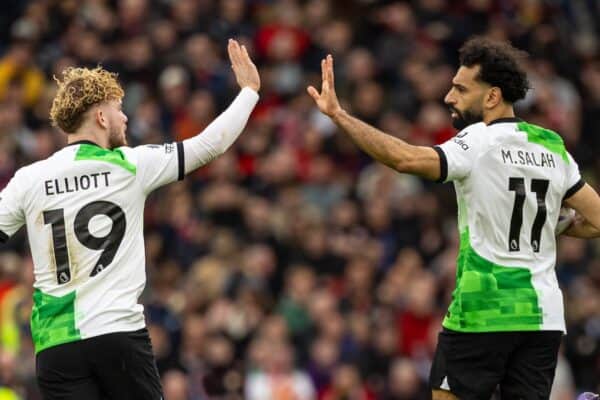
pixel 391 151
pixel 587 204
pixel 581 228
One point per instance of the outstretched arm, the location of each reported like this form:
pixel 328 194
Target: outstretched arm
pixel 220 134
pixel 389 150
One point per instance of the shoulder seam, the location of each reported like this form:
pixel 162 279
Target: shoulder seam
pixel 481 130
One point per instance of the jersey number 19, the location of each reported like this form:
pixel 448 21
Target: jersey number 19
pixel 109 244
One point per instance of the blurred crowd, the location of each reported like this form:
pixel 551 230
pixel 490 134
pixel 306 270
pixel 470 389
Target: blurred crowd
pixel 294 267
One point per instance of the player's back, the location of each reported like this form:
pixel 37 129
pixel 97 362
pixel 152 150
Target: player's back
pixel 516 191
pixel 83 207
pixel 510 178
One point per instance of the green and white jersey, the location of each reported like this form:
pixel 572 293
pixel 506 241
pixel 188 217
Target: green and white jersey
pixel 83 207
pixel 510 178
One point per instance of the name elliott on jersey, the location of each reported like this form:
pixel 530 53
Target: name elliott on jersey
pixel 530 158
pixel 76 183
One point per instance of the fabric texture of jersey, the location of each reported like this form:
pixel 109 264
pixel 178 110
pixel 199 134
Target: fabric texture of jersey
pixel 83 207
pixel 510 179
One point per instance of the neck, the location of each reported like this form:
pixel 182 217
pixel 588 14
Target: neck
pixel 502 111
pixel 88 134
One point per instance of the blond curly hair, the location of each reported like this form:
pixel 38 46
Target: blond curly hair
pixel 78 91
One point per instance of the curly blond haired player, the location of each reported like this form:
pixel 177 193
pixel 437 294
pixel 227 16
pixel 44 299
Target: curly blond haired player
pixel 83 208
pixel 505 323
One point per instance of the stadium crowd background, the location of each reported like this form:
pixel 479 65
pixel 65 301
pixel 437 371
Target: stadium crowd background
pixel 294 262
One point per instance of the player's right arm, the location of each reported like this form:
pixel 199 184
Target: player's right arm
pixel 224 130
pixel 12 216
pixel 393 152
pixel 159 168
pixel 587 204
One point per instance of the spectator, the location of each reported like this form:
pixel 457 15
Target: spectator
pixel 293 234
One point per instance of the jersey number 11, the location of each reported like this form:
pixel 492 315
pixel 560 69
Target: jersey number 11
pixel 540 188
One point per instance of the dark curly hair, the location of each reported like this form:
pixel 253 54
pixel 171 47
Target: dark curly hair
pixel 499 66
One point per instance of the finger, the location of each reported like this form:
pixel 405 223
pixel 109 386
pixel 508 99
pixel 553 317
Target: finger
pixel 323 75
pixel 231 50
pixel 313 92
pixel 245 54
pixel 330 77
pixel 234 53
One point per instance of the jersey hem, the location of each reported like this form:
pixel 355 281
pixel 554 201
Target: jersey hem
pixel 116 329
pixel 101 333
pixel 515 328
pixel 48 346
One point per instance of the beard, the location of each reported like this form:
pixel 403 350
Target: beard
pixel 465 118
pixel 116 139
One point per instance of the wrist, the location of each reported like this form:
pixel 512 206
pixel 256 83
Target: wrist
pixel 254 88
pixel 248 93
pixel 338 114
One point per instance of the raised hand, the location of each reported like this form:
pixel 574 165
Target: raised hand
pixel 244 69
pixel 327 100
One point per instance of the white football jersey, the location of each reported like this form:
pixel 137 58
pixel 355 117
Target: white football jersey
pixel 83 207
pixel 510 178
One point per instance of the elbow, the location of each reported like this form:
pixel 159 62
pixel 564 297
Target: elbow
pixel 407 159
pixel 417 168
pixel 400 167
pixel 405 166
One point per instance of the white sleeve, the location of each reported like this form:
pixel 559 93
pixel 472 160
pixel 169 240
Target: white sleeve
pixel 458 154
pixel 156 165
pixel 573 181
pixel 12 216
pixel 221 133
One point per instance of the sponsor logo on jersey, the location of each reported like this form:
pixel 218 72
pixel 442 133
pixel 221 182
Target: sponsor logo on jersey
pixel 463 145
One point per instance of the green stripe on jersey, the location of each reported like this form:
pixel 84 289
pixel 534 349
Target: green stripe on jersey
pixel 490 297
pixel 53 320
pixel 96 153
pixel 544 137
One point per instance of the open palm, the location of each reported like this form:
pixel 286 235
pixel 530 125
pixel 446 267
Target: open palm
pixel 327 100
pixel 244 69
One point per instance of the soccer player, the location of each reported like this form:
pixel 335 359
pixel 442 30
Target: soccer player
pixel 83 208
pixel 505 321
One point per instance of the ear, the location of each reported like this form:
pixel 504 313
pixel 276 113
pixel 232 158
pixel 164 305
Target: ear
pixel 100 118
pixel 493 97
